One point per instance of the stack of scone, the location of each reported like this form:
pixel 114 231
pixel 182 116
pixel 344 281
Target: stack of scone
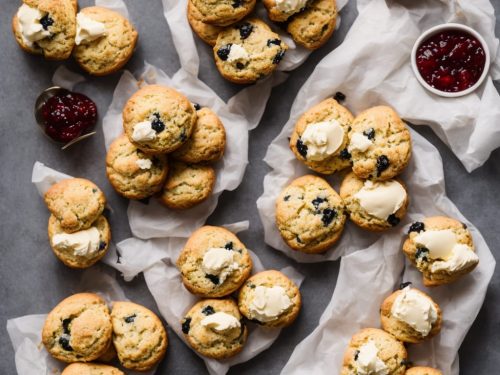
pixel 78 232
pixel 101 40
pixel 160 124
pixel 407 316
pixel 248 50
pixel 81 329
pixel 310 215
pixel 215 264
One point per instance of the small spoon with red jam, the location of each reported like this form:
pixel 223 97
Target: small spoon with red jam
pixel 451 60
pixel 66 117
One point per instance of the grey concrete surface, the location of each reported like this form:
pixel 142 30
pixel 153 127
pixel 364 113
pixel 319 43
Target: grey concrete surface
pixel 33 281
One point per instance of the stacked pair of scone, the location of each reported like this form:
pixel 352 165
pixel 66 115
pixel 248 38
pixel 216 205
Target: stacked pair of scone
pixel 408 316
pixel 310 215
pixel 81 329
pixel 79 234
pixel 248 50
pixel 160 124
pixel 215 264
pixel 100 40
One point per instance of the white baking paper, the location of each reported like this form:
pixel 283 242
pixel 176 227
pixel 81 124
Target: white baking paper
pixel 156 258
pixel 26 332
pixel 372 66
pixel 175 12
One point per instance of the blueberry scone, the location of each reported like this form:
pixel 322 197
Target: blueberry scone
pixel 373 351
pixel 313 27
pixel 248 51
pixel 91 369
pixel 270 298
pixel 207 32
pixel 187 185
pixel 138 335
pixel 76 203
pixel 441 248
pixel 321 136
pixel 282 10
pixel 222 12
pixel 380 144
pixel 105 40
pixel 158 119
pixel 78 329
pixel 374 205
pixel 208 141
pixel 83 248
pixel 214 262
pixel 420 370
pixel 46 27
pixel 133 173
pixel 410 315
pixel 215 328
pixel 310 215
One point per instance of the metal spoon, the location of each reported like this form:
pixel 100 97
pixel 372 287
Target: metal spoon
pixel 40 102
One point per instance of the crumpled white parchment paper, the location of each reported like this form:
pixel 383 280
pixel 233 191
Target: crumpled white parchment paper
pixel 26 332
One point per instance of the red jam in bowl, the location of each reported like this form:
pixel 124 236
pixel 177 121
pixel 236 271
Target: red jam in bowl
pixel 68 116
pixel 451 61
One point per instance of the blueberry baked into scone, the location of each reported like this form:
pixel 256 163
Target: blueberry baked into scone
pixel 270 299
pixel 167 149
pixel 215 328
pixel 373 351
pixel 101 40
pixel 214 262
pixel 441 248
pixel 310 215
pixel 78 232
pixel 410 315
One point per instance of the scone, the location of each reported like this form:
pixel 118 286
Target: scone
pixel 46 27
pixel 105 40
pixel 215 328
pixel 441 248
pixel 78 329
pixel 248 51
pixel 158 119
pixel 207 32
pixel 410 315
pixel 380 144
pixel 80 249
pixel 374 205
pixel 187 185
pixel 315 25
pixel 214 262
pixel 282 10
pixel 207 142
pixel 138 335
pixel 321 136
pixel 223 12
pixel 419 370
pixel 373 351
pixel 131 172
pixel 91 369
pixel 76 203
pixel 271 299
pixel 310 215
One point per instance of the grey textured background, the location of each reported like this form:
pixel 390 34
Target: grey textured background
pixel 33 281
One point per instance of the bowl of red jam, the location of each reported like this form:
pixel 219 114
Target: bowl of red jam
pixel 64 116
pixel 450 60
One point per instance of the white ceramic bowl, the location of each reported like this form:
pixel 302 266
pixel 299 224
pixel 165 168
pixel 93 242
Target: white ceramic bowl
pixel 445 27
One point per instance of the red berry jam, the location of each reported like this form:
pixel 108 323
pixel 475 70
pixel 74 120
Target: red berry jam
pixel 68 116
pixel 451 61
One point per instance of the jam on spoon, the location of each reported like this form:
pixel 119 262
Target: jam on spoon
pixel 451 61
pixel 68 115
